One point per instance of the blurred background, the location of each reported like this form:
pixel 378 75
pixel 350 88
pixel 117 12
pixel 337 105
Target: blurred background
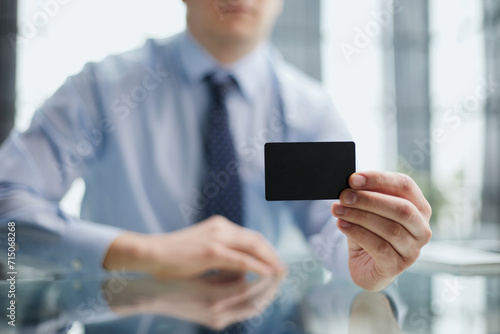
pixel 418 82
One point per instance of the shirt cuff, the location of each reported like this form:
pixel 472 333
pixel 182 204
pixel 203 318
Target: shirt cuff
pixel 84 246
pixel 330 247
pixel 77 247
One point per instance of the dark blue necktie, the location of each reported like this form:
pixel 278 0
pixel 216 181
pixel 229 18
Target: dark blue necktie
pixel 222 186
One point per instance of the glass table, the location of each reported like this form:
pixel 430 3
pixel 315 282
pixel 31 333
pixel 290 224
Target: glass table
pixel 309 299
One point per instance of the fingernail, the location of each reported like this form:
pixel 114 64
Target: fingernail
pixel 344 224
pixel 340 210
pixel 358 181
pixel 349 197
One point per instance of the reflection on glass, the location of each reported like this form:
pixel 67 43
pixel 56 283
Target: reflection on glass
pixel 206 302
pixel 297 303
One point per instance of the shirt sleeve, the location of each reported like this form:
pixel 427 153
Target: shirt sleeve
pixel 38 167
pixel 327 243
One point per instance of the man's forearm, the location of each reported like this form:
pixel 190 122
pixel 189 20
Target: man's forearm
pixel 128 251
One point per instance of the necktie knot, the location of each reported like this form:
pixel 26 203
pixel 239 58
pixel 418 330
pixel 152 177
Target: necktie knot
pixel 219 87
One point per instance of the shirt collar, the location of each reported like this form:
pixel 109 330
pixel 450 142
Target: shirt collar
pixel 248 71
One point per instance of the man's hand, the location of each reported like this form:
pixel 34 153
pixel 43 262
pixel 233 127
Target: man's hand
pixel 215 243
pixel 385 217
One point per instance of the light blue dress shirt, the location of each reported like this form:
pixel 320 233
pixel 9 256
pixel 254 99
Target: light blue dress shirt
pixel 131 126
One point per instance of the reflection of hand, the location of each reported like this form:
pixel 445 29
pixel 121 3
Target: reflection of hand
pixel 215 243
pixel 386 220
pixel 372 313
pixel 206 302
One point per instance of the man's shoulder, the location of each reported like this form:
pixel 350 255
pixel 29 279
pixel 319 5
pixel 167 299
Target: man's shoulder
pixel 308 107
pixel 297 78
pixel 296 85
pixel 300 89
pixel 120 67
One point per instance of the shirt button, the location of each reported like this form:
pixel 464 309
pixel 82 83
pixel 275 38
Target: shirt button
pixel 76 264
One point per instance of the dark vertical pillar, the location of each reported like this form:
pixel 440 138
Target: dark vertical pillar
pixel 491 184
pixel 8 31
pixel 297 35
pixel 491 177
pixel 407 84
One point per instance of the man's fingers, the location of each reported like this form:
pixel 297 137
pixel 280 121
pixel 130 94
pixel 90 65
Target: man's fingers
pixel 225 258
pixel 245 240
pixel 395 184
pixel 386 258
pixel 399 237
pixel 254 244
pixel 393 208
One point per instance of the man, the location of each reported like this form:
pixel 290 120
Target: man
pixel 139 128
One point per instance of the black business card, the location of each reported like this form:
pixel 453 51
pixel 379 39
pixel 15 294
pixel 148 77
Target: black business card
pixel 308 171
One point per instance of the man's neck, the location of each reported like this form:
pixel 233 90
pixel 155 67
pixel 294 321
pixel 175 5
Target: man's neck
pixel 226 51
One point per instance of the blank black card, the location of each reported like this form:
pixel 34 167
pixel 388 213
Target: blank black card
pixel 308 171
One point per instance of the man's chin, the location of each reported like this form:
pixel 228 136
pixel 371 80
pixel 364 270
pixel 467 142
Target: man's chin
pixel 237 33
